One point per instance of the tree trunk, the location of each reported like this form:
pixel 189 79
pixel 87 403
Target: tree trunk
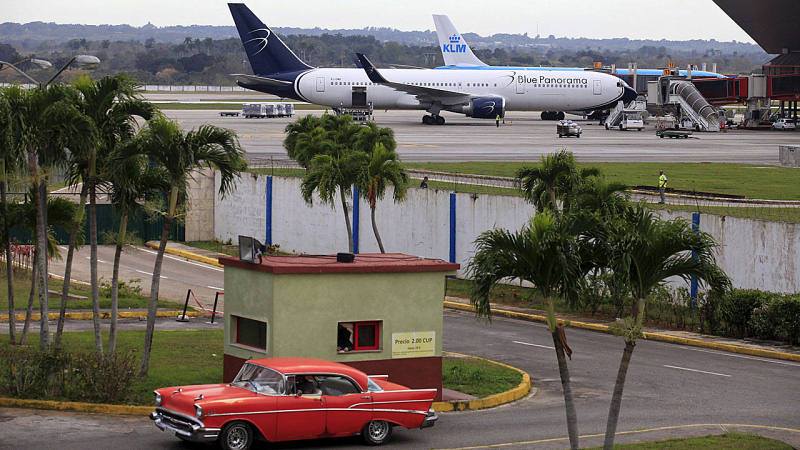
pixel 112 336
pixel 6 232
pixel 347 219
pixel 73 238
pixel 152 306
pixel 41 263
pixel 375 230
pixel 98 338
pixel 566 385
pixel 619 385
pixel 29 311
pixel 616 398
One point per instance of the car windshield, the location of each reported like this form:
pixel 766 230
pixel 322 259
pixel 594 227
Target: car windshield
pixel 634 116
pixel 260 379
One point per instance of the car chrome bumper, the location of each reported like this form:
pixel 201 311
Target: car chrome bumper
pixel 184 428
pixel 430 419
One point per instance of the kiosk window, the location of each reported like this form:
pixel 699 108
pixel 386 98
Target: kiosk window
pixel 358 336
pixel 251 333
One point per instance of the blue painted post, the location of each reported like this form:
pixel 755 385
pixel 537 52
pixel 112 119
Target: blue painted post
pixel 452 227
pixel 355 219
pixel 268 212
pixel 693 286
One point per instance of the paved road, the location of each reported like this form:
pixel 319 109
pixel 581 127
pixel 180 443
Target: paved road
pixel 668 386
pixel 524 137
pixel 177 274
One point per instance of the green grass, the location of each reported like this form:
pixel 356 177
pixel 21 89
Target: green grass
pixel 178 358
pixel 778 183
pixel 729 441
pixel 478 377
pixel 791 215
pixel 221 106
pixel 22 285
pixel 215 246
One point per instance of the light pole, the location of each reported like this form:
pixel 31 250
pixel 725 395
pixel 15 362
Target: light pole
pixel 81 61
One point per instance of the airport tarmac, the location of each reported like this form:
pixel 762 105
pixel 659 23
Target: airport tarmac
pixel 523 137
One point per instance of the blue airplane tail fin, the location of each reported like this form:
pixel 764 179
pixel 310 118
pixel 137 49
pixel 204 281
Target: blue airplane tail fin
pixel 265 50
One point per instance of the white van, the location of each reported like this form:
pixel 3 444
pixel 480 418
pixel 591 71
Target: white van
pixel 784 124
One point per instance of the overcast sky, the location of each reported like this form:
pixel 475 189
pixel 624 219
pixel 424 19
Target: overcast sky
pixel 677 19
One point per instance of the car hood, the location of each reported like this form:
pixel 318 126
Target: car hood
pixel 182 399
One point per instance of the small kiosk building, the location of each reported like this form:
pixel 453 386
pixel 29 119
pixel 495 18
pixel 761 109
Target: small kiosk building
pixel 381 313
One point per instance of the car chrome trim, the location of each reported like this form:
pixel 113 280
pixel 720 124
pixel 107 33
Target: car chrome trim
pixel 191 430
pixel 413 390
pixel 317 409
pixel 390 402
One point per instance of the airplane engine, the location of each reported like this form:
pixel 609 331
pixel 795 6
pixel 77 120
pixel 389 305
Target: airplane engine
pixel 486 107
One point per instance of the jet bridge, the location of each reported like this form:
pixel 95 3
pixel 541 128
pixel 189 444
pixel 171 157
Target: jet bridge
pixel 691 104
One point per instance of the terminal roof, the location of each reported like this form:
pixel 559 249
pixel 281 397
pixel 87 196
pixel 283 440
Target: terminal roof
pixel 771 23
pixel 363 263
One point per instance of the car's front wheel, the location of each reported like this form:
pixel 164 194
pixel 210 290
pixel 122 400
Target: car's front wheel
pixel 377 432
pixel 236 436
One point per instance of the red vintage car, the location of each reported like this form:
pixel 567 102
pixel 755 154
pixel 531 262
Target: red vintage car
pixel 284 399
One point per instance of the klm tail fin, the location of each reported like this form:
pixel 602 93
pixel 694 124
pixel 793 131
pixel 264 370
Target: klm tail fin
pixel 455 50
pixel 265 50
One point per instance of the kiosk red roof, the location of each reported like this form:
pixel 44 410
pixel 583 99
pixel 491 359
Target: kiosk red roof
pixel 363 263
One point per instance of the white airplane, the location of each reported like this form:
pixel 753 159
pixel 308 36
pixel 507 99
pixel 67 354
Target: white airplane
pixel 457 54
pixel 475 93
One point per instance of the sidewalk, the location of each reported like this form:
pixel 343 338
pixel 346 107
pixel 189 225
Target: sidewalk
pixel 742 346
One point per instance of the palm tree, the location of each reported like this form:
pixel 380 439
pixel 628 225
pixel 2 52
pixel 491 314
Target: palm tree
pixel 645 252
pixel 295 129
pixel 548 183
pixel 59 214
pixel 10 160
pixel 545 253
pixel 113 105
pixel 329 173
pixel 370 135
pixel 46 122
pixel 176 154
pixel 381 169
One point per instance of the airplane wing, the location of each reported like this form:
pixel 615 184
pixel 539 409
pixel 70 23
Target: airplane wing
pixel 255 79
pixel 423 93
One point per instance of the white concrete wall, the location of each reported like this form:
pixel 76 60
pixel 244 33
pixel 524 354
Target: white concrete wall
pixel 756 254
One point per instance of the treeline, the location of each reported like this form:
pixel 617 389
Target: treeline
pixel 211 61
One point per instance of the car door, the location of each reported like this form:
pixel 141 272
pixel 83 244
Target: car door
pixel 299 416
pixel 347 408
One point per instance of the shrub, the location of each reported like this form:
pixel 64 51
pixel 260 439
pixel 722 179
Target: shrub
pixel 778 318
pixel 130 288
pixel 735 311
pixel 81 376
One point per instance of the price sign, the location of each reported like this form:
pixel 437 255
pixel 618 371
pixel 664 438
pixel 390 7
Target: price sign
pixel 413 344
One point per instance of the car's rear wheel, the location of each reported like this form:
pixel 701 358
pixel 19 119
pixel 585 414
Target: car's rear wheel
pixel 236 436
pixel 377 432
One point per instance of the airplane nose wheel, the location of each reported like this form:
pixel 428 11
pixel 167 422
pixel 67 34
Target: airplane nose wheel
pixel 433 120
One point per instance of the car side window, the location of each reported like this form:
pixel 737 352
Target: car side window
pixel 335 385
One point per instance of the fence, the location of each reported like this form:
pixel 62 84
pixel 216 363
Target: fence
pixel 139 225
pixel 440 224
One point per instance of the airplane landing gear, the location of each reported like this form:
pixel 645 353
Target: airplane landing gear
pixel 553 115
pixel 433 120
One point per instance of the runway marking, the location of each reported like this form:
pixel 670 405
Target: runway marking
pixel 698 371
pixel 534 345
pixel 215 288
pixel 722 426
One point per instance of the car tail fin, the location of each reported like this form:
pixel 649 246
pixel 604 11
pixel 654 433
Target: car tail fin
pixel 455 50
pixel 265 50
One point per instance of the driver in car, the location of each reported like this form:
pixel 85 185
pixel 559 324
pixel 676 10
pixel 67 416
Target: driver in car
pixel 306 385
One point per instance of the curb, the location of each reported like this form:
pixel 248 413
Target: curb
pixel 661 337
pixel 187 255
pixel 88 315
pixel 100 408
pixel 502 398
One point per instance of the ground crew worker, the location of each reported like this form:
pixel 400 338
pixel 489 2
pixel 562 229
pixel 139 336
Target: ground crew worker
pixel 497 121
pixel 662 185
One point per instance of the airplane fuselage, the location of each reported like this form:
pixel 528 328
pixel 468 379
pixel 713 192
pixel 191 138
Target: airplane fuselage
pixel 528 90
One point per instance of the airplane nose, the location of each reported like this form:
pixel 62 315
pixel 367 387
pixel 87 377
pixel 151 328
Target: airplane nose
pixel 629 95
